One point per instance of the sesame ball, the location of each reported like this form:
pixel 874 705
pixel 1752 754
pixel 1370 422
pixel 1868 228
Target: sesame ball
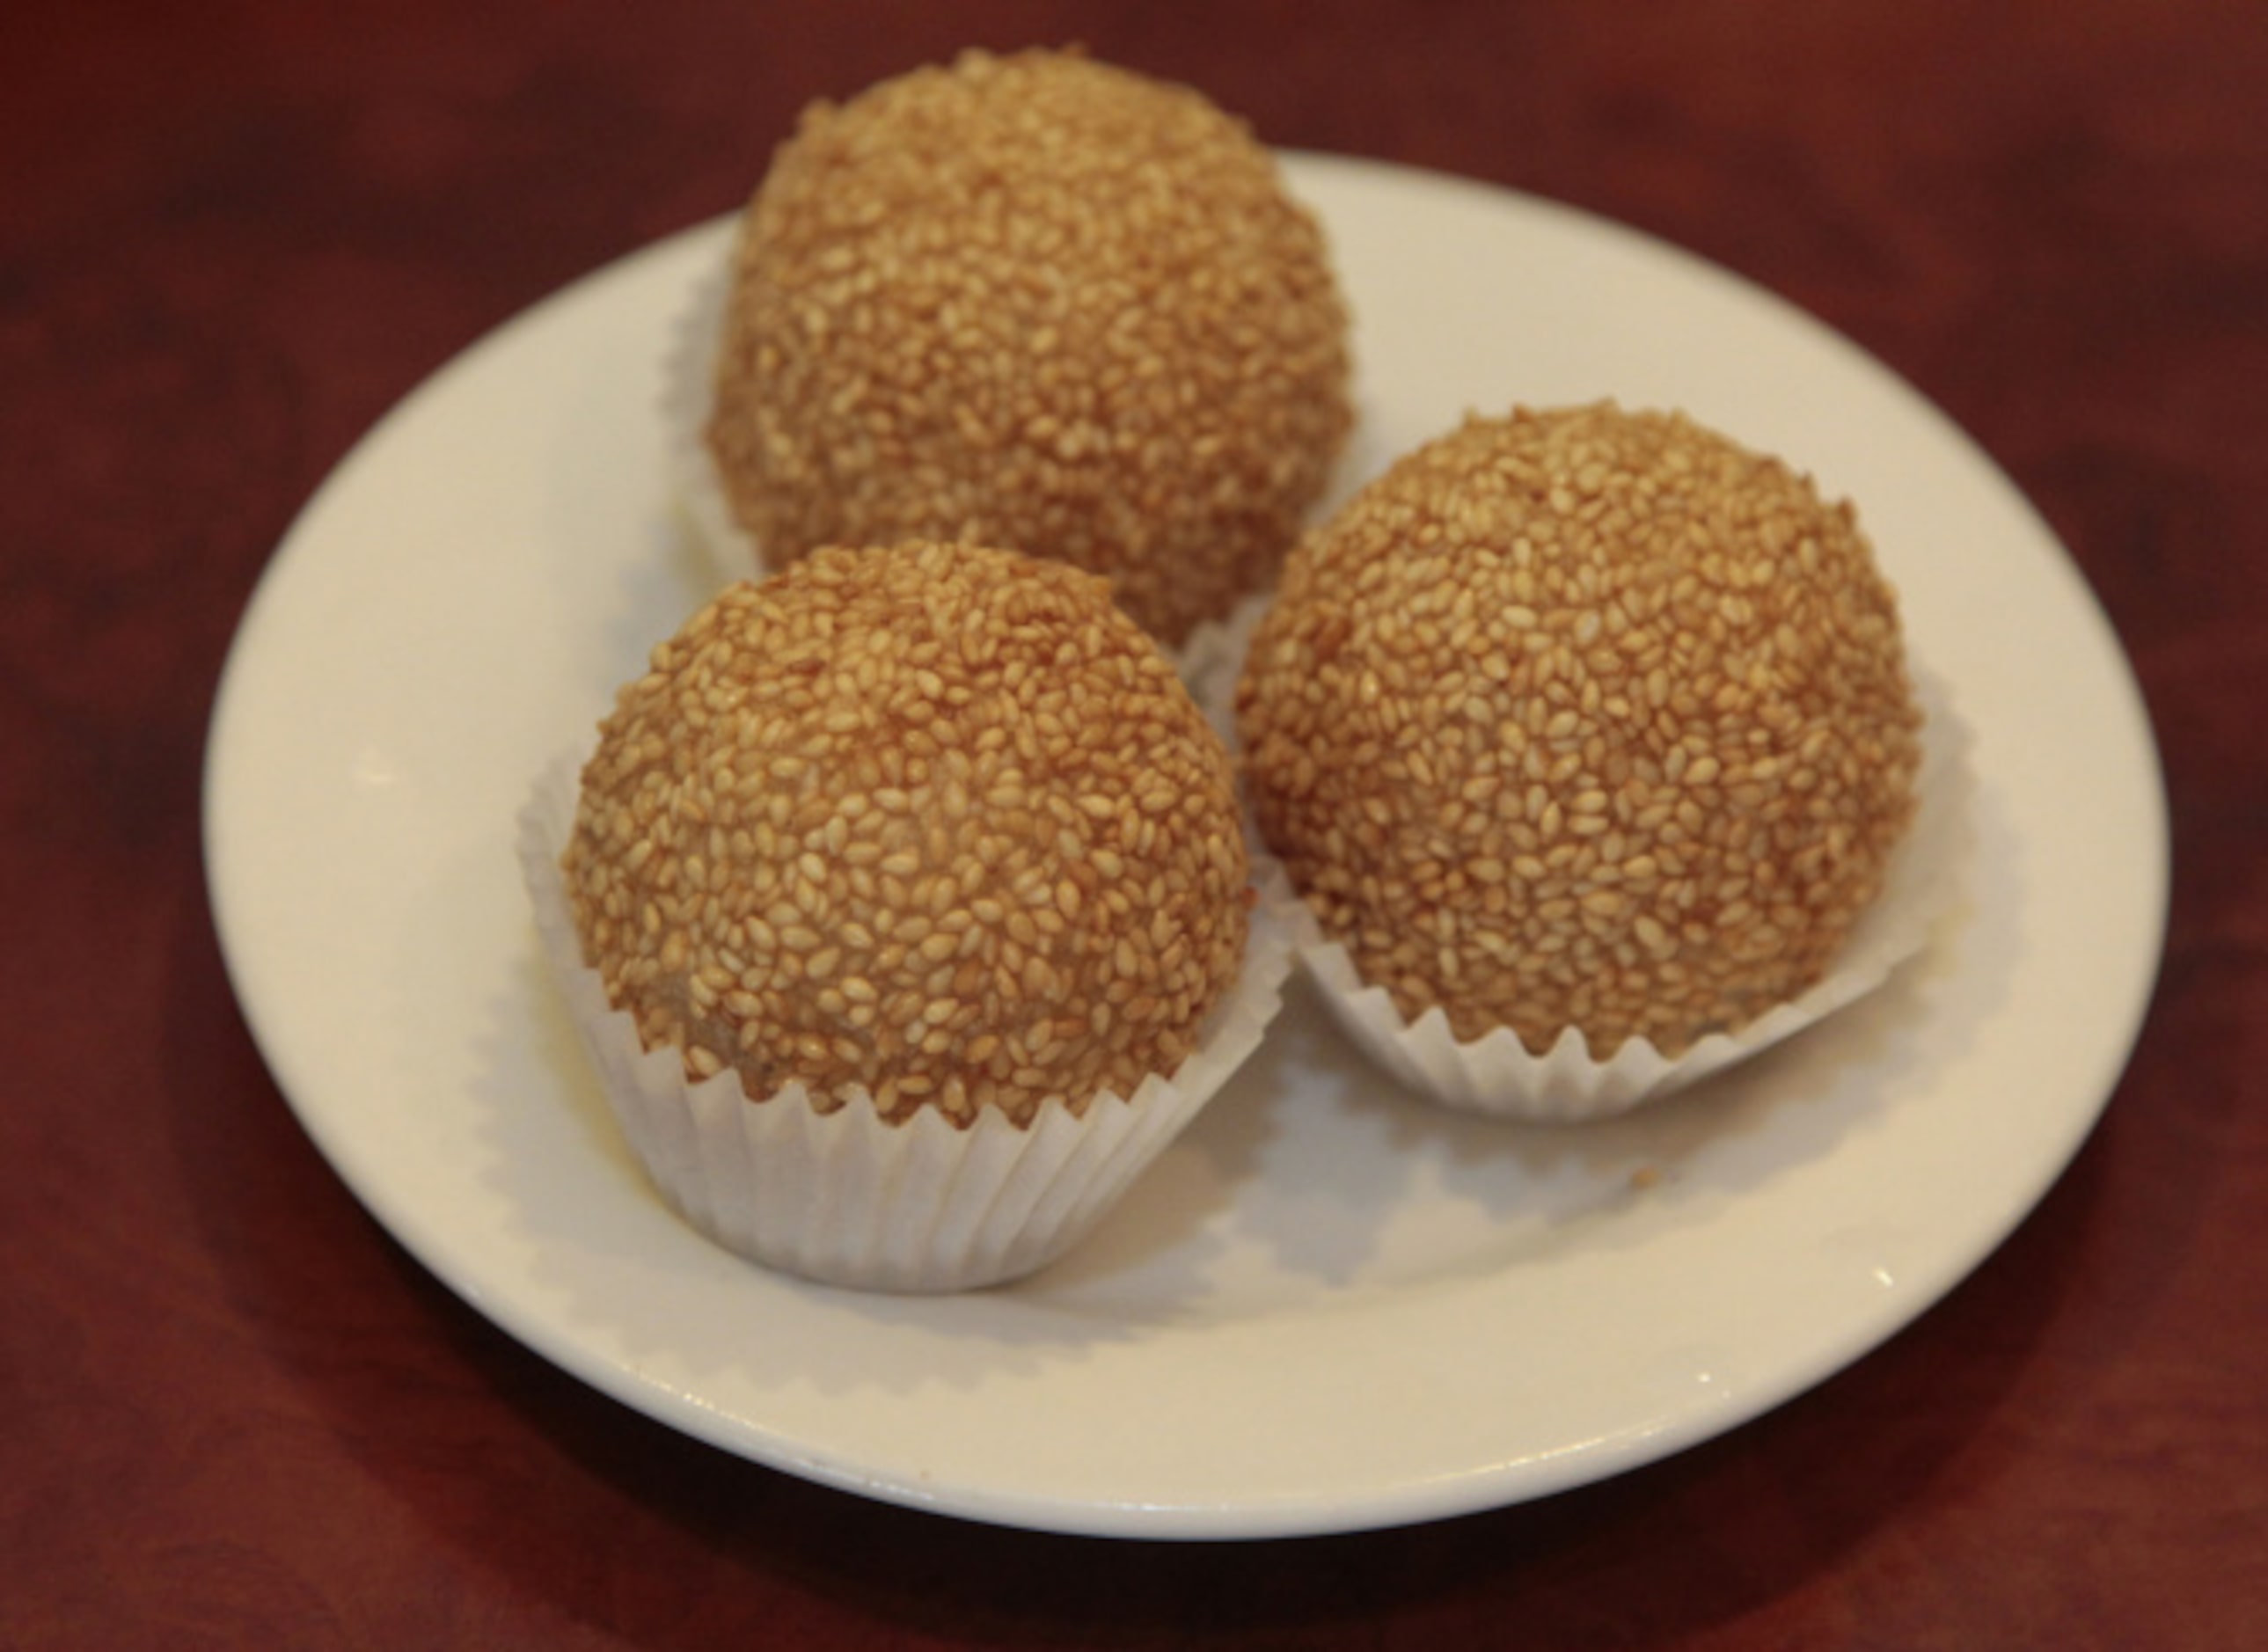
pixel 1034 301
pixel 1584 718
pixel 937 823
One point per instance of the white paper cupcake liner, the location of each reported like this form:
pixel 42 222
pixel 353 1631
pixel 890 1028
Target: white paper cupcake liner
pixel 846 1198
pixel 1499 1076
pixel 1209 661
pixel 687 392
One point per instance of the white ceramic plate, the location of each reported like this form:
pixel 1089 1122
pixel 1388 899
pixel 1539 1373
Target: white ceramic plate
pixel 1329 1306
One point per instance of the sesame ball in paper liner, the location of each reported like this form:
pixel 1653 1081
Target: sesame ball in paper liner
pixel 1034 300
pixel 1589 741
pixel 905 912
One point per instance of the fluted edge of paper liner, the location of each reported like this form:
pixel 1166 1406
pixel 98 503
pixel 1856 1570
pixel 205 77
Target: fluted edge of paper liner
pixel 846 1198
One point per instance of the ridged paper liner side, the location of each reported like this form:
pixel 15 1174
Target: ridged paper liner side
pixel 847 1198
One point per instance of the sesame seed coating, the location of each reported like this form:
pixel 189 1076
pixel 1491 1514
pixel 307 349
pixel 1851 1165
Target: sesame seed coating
pixel 1041 302
pixel 1584 718
pixel 937 822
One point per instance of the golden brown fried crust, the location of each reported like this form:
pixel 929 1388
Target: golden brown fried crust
pixel 1584 718
pixel 937 822
pixel 1040 302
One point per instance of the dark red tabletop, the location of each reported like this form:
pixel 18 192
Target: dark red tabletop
pixel 234 1413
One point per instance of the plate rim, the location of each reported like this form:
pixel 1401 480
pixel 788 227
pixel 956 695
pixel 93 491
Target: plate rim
pixel 1482 1487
